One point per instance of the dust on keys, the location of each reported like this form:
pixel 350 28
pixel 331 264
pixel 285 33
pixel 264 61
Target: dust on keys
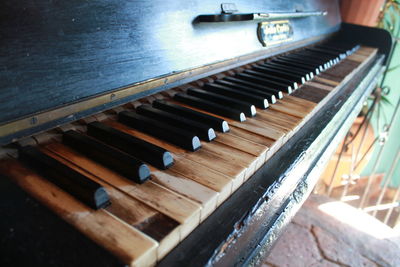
pixel 166 162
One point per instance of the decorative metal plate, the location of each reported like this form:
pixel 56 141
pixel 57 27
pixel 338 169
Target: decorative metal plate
pixel 274 32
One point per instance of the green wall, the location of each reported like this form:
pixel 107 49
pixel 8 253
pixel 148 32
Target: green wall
pixel 393 142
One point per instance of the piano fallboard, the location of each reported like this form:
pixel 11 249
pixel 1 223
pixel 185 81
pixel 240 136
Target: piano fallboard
pixel 62 53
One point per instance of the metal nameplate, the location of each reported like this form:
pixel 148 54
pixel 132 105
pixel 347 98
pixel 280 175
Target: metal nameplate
pixel 274 32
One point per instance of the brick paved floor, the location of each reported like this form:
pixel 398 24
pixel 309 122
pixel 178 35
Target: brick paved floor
pixel 329 233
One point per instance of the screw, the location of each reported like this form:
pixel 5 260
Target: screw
pixel 33 120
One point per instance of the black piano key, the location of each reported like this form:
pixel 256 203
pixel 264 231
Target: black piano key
pixel 85 190
pixel 294 70
pixel 283 74
pixel 277 93
pixel 246 108
pixel 356 47
pixel 317 56
pixel 337 49
pixel 251 90
pixel 210 107
pixel 315 71
pixel 349 47
pixel 331 53
pixel 302 62
pixel 274 78
pixel 256 79
pixel 203 131
pixel 346 45
pixel 339 55
pixel 178 137
pixel 309 61
pixel 258 101
pixel 337 60
pixel 138 148
pixel 307 58
pixel 110 157
pixel 214 122
pixel 326 58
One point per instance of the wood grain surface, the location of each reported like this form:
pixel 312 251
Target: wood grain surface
pixel 58 53
pixel 133 247
pixel 164 210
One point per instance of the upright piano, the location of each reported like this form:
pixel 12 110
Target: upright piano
pixel 169 133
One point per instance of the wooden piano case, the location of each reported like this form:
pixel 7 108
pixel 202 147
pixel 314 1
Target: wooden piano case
pixel 65 61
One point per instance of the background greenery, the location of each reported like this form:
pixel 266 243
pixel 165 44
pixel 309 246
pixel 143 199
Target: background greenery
pixel 391 22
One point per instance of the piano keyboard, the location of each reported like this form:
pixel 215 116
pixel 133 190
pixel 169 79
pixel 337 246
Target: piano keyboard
pixel 139 178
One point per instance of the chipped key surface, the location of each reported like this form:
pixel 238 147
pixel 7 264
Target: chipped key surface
pixel 130 245
pixel 158 197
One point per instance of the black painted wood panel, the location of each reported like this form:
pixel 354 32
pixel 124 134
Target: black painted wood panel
pixel 55 52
